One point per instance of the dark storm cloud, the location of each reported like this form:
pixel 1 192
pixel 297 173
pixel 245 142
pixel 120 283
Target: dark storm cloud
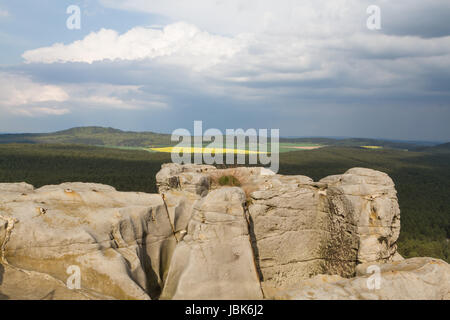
pixel 425 19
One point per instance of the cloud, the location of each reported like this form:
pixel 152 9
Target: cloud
pixel 51 111
pixel 253 67
pixel 425 19
pixel 20 95
pixel 264 67
pixel 295 64
pixel 110 97
pixel 178 43
pixel 306 17
pixel 256 16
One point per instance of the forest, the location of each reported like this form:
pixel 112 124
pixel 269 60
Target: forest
pixel 422 178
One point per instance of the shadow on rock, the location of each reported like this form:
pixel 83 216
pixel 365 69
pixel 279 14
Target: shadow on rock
pixel 2 271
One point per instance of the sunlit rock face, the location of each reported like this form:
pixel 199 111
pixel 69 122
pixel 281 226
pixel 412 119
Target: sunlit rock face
pixel 215 258
pixel 298 227
pixel 117 239
pixel 261 236
pixel 411 279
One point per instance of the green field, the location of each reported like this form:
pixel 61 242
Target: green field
pixel 422 178
pixel 290 146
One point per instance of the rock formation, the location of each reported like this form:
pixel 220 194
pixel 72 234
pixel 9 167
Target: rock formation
pixel 274 236
pixel 411 279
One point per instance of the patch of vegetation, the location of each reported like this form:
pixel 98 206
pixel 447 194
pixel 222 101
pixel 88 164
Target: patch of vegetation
pixel 231 181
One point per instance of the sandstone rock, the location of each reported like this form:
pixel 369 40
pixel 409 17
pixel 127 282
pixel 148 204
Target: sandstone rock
pixel 122 242
pixel 215 258
pixel 304 228
pixel 411 279
pixel 289 229
pixel 15 188
pixel 39 286
pixel 368 199
pixel 299 228
pixel 274 236
pixel 188 178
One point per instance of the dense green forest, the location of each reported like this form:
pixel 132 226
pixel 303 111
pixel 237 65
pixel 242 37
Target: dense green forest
pixel 422 178
pixel 42 164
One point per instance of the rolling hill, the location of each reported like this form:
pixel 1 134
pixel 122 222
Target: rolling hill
pixel 94 136
pixel 100 136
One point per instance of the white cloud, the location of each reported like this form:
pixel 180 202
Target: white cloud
pixel 253 67
pixel 23 96
pixel 238 16
pixel 305 17
pixel 289 41
pixel 19 93
pixel 178 43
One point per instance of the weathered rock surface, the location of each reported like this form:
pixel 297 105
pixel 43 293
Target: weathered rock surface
pixel 273 237
pixel 215 259
pixel 30 285
pixel 411 279
pixel 122 242
pixel 368 199
pixel 300 228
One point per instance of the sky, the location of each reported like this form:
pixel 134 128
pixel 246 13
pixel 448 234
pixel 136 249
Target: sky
pixel 306 67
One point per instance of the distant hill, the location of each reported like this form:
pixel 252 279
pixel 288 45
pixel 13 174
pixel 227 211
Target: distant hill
pixel 355 142
pixel 100 136
pixel 91 136
pixel 445 147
